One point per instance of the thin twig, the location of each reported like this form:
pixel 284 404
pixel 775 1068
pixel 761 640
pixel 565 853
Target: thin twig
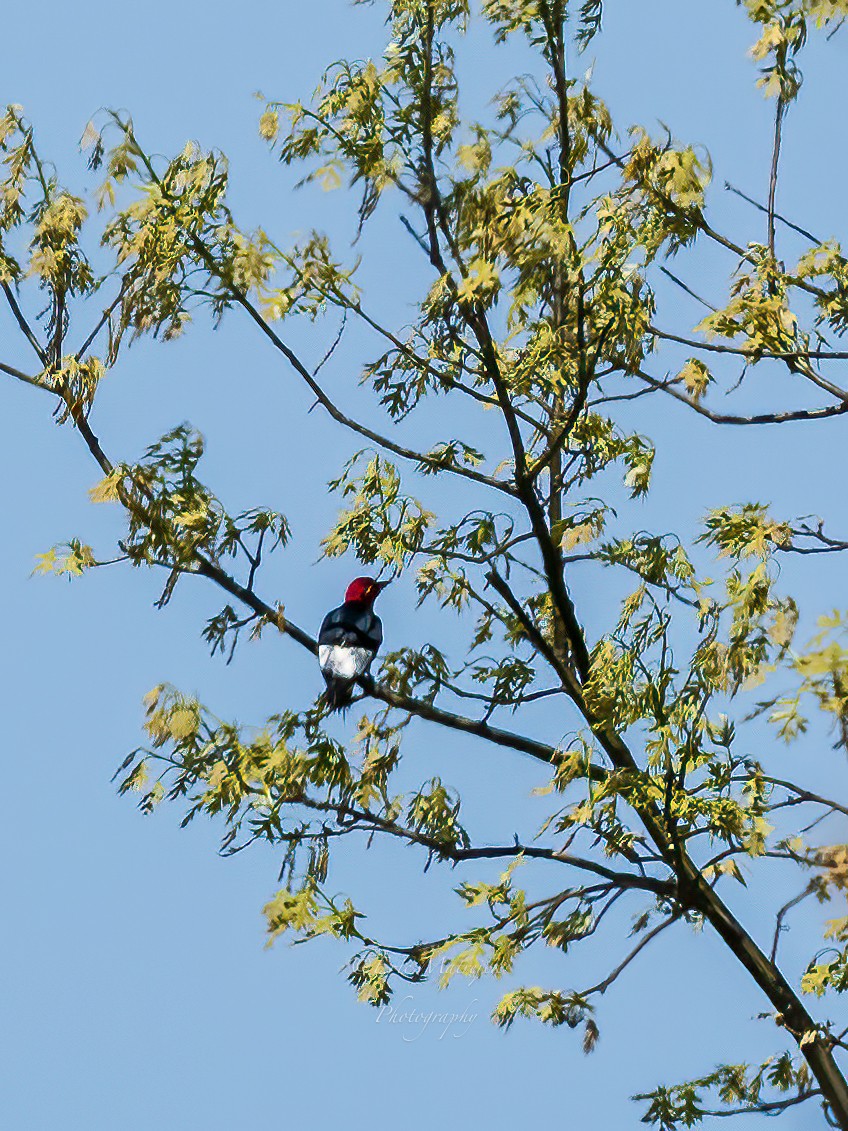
pixel 684 287
pixel 602 987
pixel 19 375
pixel 101 322
pixel 26 330
pixel 761 208
pixel 758 418
pixel 750 353
pixel 781 915
pixel 775 160
pixel 774 1107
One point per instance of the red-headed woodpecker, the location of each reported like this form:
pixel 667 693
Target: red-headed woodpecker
pixel 349 640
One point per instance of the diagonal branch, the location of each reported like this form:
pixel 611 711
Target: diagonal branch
pixel 806 795
pixel 698 219
pixel 342 301
pixel 625 880
pixel 101 322
pixel 761 208
pixel 773 1107
pixel 25 377
pixel 533 631
pixel 240 298
pixel 26 330
pixel 783 912
pixel 603 986
pixel 685 287
pixel 423 459
pixel 757 418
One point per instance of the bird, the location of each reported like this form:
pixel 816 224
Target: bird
pixel 349 639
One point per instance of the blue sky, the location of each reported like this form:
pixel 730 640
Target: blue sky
pixel 137 989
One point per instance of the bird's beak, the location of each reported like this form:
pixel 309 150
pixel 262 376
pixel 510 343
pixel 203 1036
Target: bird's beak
pixel 382 584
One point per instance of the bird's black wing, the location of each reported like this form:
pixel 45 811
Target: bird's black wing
pixel 333 629
pixel 351 627
pixel 373 632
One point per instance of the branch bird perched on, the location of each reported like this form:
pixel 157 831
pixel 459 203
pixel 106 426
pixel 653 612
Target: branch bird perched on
pixel 349 639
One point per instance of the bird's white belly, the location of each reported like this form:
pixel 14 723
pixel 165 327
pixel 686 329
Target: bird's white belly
pixel 344 662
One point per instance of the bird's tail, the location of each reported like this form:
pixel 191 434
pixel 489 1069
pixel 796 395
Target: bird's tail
pixel 338 694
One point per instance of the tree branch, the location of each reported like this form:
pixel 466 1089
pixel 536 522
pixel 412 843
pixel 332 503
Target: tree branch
pixel 752 354
pixel 625 880
pixel 774 1107
pixel 101 322
pixel 781 915
pixel 775 159
pixel 761 208
pixel 602 987
pixel 23 324
pixel 25 377
pixel 756 418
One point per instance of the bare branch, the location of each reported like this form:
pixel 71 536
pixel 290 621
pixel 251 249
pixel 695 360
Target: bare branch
pixel 752 354
pixel 806 795
pixel 625 880
pixel 775 159
pixel 781 915
pixel 602 987
pixel 19 375
pixel 26 330
pixel 775 1107
pixel 101 322
pixel 756 418
pixel 684 287
pixel 827 545
pixel 761 208
pixel 421 458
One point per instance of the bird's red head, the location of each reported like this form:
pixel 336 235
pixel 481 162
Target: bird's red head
pixel 364 591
